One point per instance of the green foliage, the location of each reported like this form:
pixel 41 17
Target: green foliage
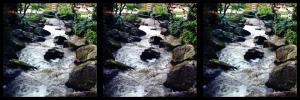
pixel 38 6
pixel 35 18
pixel 264 9
pixel 91 36
pixel 235 18
pixel 291 36
pixel 86 27
pixel 64 9
pixel 160 9
pixel 131 18
pixel 175 25
pixel 189 33
pixel 280 25
pixel 237 6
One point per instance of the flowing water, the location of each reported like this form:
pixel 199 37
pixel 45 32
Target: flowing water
pixel 250 77
pixel 50 77
pixel 148 77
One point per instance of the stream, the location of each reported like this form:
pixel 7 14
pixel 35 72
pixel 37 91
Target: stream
pixel 147 78
pixel 250 77
pixel 50 77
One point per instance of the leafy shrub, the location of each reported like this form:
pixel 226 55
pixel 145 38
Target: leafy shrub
pixel 131 18
pixel 235 18
pixel 64 9
pixel 35 18
pixel 160 9
pixel 91 36
pixel 175 25
pixel 280 25
pixel 189 33
pixel 291 36
pixel 264 9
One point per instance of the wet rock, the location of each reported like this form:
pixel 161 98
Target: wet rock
pixel 286 53
pixel 259 40
pixel 149 54
pixel 217 44
pixel 69 32
pixel 50 14
pixel 164 32
pixel 66 17
pixel 22 35
pixel 53 54
pixel 253 54
pixel 283 77
pixel 182 76
pixel 282 94
pixel 249 14
pixel 144 14
pixel 134 39
pixel 38 39
pixel 83 76
pixel 166 45
pixel 164 24
pixel 238 39
pixel 113 45
pixel 267 17
pixel 86 53
pixel 222 35
pixel 83 94
pixel 137 32
pixel 269 32
pixel 59 40
pixel 17 44
pixel 214 63
pixel 119 35
pixel 268 44
pixel 17 63
pixel 209 74
pixel 241 32
pixel 182 53
pixel 41 32
pixel 112 64
pixel 155 40
pixel 54 22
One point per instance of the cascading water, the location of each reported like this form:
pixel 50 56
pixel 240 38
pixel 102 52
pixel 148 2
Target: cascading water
pixel 250 77
pixel 148 77
pixel 50 77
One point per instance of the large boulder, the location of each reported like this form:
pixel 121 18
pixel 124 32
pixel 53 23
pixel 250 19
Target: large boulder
pixel 41 32
pixel 59 40
pixel 217 44
pixel 222 35
pixel 155 40
pixel 253 54
pixel 283 77
pixel 53 54
pixel 86 53
pixel 38 39
pixel 83 76
pixel 119 35
pixel 241 32
pixel 149 53
pixel 182 53
pixel 286 53
pixel 17 44
pixel 238 39
pixel 113 45
pixel 259 40
pixel 137 32
pixel 182 76
pixel 22 35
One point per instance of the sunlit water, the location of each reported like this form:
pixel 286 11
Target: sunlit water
pixel 148 77
pixel 50 77
pixel 250 77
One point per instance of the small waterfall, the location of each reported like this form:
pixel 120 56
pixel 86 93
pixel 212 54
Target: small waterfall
pixel 148 77
pixel 50 77
pixel 250 77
